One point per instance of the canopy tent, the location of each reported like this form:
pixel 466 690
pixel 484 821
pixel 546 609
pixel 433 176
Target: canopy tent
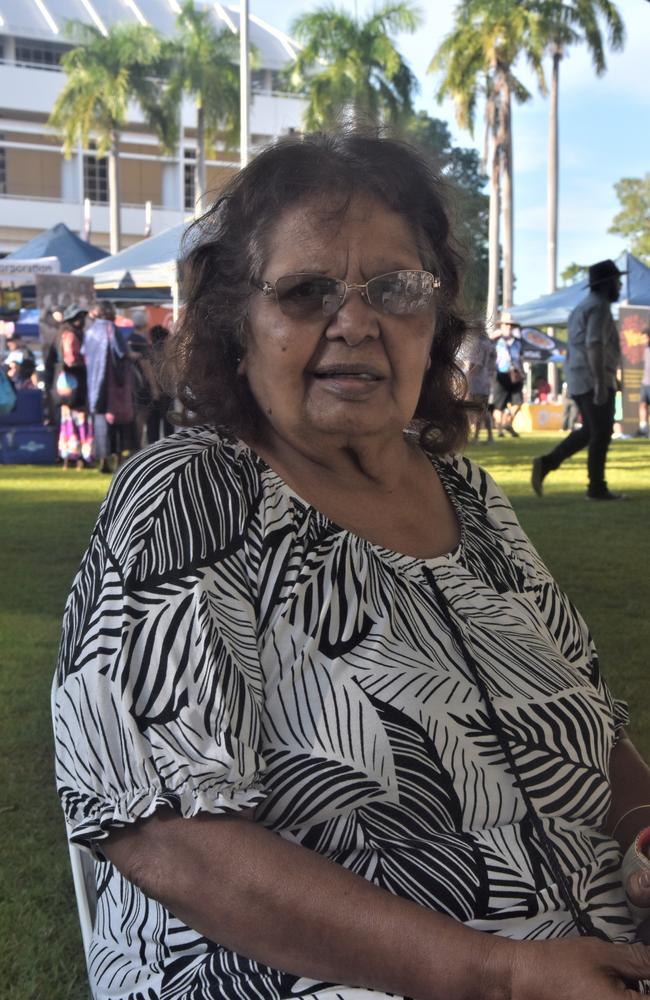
pixel 554 309
pixel 59 241
pixel 150 263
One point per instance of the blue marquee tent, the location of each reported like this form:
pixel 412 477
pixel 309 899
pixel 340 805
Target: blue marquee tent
pixel 61 242
pixel 554 309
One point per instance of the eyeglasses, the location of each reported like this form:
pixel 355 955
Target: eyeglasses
pixel 398 293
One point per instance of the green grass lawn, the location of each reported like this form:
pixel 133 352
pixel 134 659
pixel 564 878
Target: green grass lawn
pixel 598 552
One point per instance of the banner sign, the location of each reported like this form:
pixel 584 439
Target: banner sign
pixel 54 293
pixel 632 321
pixel 538 346
pixel 25 272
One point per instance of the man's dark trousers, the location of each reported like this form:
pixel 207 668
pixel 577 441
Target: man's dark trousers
pixel 596 432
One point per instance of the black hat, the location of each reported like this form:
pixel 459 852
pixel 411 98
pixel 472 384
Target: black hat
pixel 604 270
pixel 74 310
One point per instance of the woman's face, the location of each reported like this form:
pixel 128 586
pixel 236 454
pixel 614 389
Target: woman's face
pixel 353 375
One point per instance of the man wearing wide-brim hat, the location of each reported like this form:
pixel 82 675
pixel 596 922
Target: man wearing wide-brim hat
pixel 593 357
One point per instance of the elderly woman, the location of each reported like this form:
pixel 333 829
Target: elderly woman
pixel 323 715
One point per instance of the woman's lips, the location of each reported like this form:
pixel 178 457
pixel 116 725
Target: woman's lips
pixel 365 376
pixel 343 382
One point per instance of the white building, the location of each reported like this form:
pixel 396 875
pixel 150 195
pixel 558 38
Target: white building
pixel 39 187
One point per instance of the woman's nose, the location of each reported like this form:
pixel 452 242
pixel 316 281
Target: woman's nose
pixel 355 321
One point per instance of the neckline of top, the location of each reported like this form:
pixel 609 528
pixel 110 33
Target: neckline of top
pixel 398 560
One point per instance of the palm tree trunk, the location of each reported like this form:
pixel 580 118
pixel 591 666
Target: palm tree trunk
pixel 488 130
pixel 495 212
pixel 114 192
pixel 199 170
pixel 552 206
pixel 507 194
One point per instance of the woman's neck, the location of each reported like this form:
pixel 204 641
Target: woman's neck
pixel 355 464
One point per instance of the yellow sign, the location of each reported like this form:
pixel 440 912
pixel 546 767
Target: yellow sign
pixel 11 300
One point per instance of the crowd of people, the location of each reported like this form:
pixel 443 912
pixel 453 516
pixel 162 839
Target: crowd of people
pixel 100 385
pixel 494 368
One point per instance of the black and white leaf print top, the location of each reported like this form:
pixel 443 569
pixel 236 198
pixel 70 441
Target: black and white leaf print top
pixel 225 645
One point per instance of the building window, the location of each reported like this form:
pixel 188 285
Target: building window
pixel 267 80
pixel 189 180
pixel 33 53
pixel 96 178
pixel 3 167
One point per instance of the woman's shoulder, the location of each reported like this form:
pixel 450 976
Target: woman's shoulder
pixel 181 502
pixel 469 482
pixel 465 473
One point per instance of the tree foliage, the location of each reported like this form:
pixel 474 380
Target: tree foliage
pixel 461 169
pixel 633 221
pixel 564 23
pixel 573 272
pixel 477 58
pixel 481 50
pixel 204 65
pixel 102 75
pixel 346 64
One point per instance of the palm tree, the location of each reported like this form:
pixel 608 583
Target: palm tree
pixel 347 64
pixel 104 73
pixel 565 23
pixel 204 65
pixel 477 59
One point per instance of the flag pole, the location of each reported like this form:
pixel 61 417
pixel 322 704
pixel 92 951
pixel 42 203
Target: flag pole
pixel 244 84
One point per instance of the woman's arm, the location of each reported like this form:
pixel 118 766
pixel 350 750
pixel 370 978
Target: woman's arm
pixel 630 782
pixel 286 906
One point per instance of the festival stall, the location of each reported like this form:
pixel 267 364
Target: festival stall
pixel 632 313
pixel 144 272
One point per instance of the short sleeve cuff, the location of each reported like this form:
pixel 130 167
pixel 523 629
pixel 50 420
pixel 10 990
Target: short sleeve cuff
pixel 92 820
pixel 621 718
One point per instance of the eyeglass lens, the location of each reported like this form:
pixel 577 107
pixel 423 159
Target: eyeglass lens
pixel 397 293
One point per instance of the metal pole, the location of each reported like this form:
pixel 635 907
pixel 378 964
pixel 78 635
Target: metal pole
pixel 244 84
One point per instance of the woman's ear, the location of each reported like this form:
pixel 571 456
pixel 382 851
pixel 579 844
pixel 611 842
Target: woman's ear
pixel 241 366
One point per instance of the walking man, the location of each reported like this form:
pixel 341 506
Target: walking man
pixel 592 360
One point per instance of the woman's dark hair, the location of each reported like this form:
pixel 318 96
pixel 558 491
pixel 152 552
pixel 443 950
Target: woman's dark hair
pixel 226 250
pixel 158 334
pixel 105 309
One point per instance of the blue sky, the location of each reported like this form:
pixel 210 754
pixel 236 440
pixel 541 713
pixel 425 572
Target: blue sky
pixel 604 135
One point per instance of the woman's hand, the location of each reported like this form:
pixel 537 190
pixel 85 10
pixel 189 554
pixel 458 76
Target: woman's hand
pixel 577 969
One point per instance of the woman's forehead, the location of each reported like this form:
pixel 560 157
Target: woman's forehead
pixel 314 230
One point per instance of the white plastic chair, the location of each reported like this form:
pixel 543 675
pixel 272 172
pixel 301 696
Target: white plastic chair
pixel 83 877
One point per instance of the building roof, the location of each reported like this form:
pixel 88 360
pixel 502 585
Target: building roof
pixel 45 20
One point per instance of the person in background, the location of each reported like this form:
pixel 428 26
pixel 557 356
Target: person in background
pixel 158 424
pixel 324 717
pixel 541 390
pixel 49 327
pixel 644 391
pixel 480 370
pixel 20 363
pixel 75 426
pixel 109 381
pixel 509 384
pixel 144 379
pixel 593 359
